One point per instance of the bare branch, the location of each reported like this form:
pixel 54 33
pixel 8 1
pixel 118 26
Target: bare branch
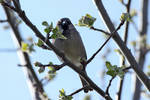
pixel 127 68
pixel 79 90
pixel 119 94
pixel 99 30
pixel 107 89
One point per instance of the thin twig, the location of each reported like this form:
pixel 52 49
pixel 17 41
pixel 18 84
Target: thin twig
pixel 93 56
pixel 127 23
pixel 20 65
pixel 56 67
pixel 100 30
pixel 77 91
pixel 127 68
pixel 107 89
pixel 3 21
pixel 119 94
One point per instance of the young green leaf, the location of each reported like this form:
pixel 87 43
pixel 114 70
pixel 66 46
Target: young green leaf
pixel 86 20
pixel 50 63
pixel 37 64
pixel 39 43
pixel 54 36
pixel 108 65
pixel 111 73
pixel 55 30
pixel 41 69
pixel 31 48
pixel 24 46
pixel 57 34
pixel 44 23
pixel 51 74
pixel 47 30
pixel 63 96
pixel 125 17
pixel 51 26
pixel 113 70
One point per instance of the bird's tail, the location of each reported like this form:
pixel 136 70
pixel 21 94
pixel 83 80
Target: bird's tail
pixel 84 83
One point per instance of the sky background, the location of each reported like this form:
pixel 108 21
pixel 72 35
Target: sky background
pixel 13 82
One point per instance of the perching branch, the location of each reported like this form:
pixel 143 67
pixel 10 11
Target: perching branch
pixel 23 16
pixel 141 75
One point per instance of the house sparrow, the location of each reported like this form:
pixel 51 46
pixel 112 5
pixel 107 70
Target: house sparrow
pixel 72 47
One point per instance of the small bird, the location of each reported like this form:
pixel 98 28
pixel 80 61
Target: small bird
pixel 72 47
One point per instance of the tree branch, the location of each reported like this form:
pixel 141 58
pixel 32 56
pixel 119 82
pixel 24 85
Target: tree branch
pixel 141 75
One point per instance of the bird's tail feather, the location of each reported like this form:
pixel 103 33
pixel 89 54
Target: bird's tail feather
pixel 84 83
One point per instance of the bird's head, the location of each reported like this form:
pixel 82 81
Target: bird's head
pixel 64 24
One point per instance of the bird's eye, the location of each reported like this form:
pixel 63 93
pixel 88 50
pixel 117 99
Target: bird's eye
pixel 65 24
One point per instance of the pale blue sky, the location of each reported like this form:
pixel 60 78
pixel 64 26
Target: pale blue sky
pixel 13 84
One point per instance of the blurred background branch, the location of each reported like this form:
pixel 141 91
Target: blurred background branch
pixel 34 85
